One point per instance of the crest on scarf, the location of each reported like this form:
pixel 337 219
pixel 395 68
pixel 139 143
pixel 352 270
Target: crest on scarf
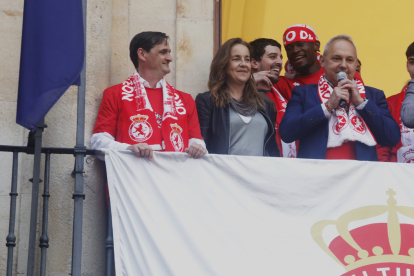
pixel 345 127
pixel 176 138
pixel 292 152
pixel 408 156
pixel 357 124
pixel 140 130
pixel 340 124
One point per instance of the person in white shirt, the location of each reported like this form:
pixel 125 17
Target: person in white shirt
pixel 145 113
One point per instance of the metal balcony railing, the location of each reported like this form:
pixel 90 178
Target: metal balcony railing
pixel 78 197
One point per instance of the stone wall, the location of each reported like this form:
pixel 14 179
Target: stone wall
pixel 110 26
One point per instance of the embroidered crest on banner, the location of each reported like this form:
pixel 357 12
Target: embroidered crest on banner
pixel 140 130
pixel 176 138
pixel 360 252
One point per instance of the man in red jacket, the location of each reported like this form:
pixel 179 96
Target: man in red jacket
pixel 403 152
pixel 302 46
pixel 145 113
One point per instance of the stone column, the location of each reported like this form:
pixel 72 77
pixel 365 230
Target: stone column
pixel 194 44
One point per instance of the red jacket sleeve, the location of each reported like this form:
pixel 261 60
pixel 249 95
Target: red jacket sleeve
pixel 284 87
pixel 192 117
pixel 278 140
pixel 108 112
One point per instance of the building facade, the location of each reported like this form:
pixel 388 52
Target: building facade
pixel 111 24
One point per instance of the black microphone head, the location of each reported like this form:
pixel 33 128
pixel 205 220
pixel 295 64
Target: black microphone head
pixel 341 76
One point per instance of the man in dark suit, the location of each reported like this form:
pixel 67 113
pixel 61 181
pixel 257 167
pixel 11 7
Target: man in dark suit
pixel 327 129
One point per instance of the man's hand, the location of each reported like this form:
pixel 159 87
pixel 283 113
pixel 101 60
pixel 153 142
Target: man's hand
pixel 142 149
pixel 352 88
pixel 346 90
pixel 339 93
pixel 263 78
pixel 196 151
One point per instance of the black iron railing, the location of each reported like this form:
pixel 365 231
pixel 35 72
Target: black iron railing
pixel 78 197
pixel 11 237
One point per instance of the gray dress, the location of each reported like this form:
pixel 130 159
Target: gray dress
pixel 247 138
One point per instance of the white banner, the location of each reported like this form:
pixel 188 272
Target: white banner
pixel 231 215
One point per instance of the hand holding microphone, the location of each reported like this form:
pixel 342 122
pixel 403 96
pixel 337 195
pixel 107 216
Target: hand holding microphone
pixel 344 92
pixel 352 89
pixel 340 77
pixel 340 94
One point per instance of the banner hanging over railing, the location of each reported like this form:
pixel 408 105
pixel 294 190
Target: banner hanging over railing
pixel 232 215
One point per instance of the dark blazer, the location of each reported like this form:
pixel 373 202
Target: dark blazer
pixel 305 121
pixel 215 125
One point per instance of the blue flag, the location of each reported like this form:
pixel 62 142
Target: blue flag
pixel 52 56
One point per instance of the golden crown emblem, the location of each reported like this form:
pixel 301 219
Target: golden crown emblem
pixel 139 118
pixel 176 128
pixel 357 255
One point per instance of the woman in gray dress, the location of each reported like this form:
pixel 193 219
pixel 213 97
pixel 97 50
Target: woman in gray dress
pixel 234 119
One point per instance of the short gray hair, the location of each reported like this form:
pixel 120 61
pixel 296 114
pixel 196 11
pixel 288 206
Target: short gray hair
pixel 343 37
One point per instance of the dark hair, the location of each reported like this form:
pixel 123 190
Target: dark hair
pixel 360 63
pixel 410 50
pixel 146 41
pixel 259 46
pixel 217 84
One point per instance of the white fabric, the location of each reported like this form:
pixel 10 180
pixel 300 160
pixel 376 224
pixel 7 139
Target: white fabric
pixel 345 126
pixel 245 119
pixel 146 83
pixel 362 105
pixel 232 215
pixel 104 140
pixel 289 149
pixel 325 111
pixel 405 154
pixel 198 141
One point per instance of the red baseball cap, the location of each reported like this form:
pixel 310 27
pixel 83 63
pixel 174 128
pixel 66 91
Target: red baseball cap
pixel 299 32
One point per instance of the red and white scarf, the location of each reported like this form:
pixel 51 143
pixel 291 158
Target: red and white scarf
pixel 288 149
pixel 405 152
pixel 142 97
pixel 345 126
pixel 174 128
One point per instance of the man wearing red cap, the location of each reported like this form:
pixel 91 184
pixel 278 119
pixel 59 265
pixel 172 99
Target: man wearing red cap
pixel 302 46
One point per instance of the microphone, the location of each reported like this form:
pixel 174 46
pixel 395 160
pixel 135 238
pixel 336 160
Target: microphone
pixel 341 76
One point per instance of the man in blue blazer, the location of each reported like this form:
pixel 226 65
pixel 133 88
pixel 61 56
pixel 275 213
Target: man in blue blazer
pixel 330 129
